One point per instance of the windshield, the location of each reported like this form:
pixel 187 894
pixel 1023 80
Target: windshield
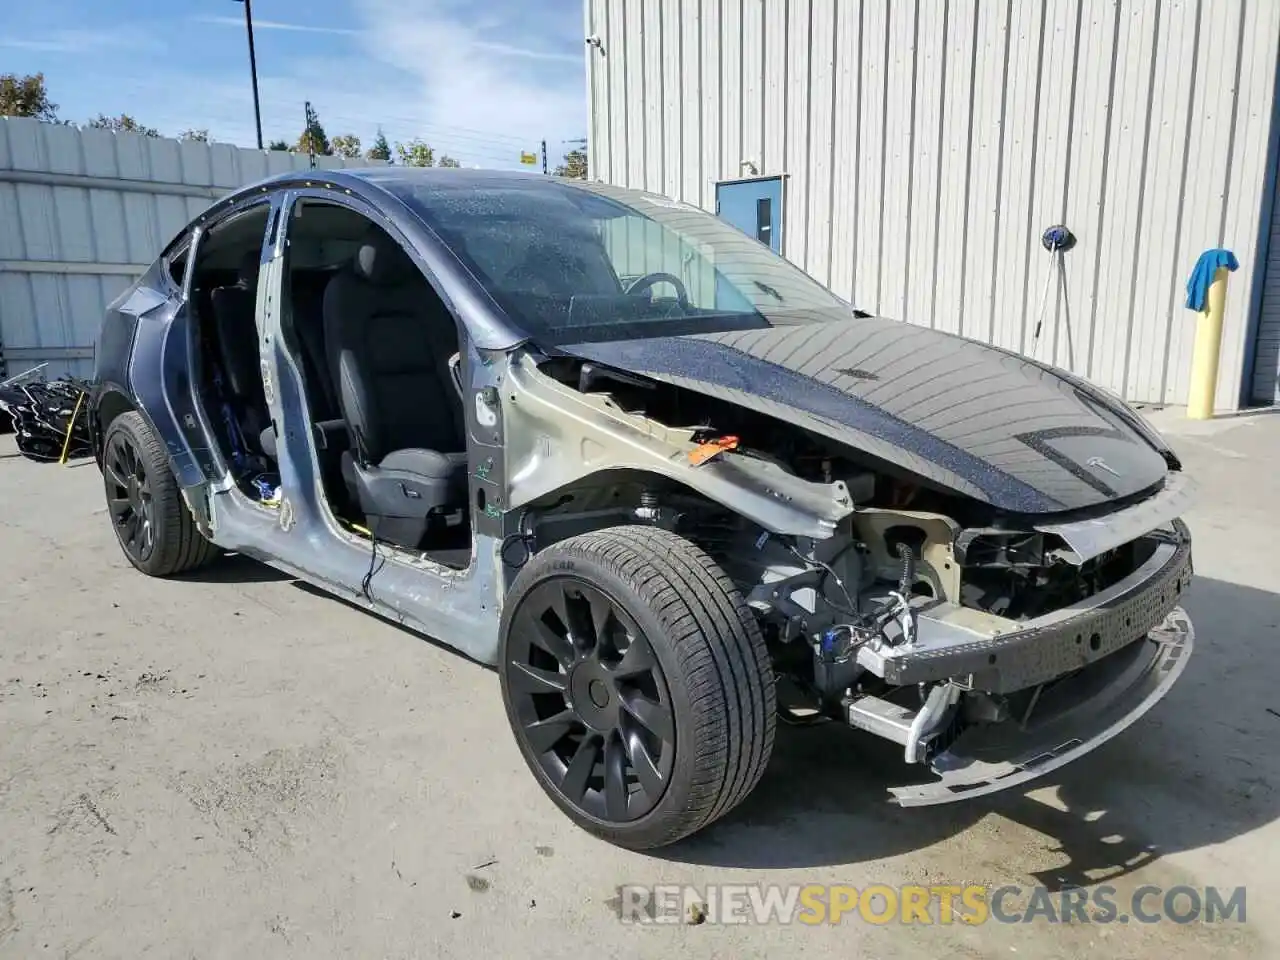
pixel 572 262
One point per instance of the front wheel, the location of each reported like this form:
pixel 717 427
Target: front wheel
pixel 637 683
pixel 150 518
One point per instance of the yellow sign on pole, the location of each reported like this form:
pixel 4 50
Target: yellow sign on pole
pixel 528 158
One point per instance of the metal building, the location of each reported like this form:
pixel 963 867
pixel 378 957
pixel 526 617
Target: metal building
pixel 83 212
pixel 911 153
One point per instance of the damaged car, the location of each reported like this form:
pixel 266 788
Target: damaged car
pixel 668 485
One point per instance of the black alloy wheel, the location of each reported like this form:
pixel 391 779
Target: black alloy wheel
pixel 129 499
pixel 637 683
pixel 591 700
pixel 147 510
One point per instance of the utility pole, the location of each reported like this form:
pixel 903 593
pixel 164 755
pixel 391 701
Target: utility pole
pixel 544 158
pixel 253 67
pixel 311 140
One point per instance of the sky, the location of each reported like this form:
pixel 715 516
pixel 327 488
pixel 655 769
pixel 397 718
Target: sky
pixel 480 81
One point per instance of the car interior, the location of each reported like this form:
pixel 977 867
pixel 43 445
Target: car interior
pixel 379 353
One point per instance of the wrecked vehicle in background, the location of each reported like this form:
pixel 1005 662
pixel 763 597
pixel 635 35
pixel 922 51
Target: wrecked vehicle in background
pixel 46 417
pixel 649 470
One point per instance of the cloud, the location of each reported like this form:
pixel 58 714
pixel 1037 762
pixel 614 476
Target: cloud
pixel 79 41
pixel 481 87
pixel 464 77
pixel 504 49
pixel 277 25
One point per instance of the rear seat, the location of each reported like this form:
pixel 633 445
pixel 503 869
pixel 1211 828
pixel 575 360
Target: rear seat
pixel 234 308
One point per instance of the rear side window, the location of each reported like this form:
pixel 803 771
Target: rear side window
pixel 176 264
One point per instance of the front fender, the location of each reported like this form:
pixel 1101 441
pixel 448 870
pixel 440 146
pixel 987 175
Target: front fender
pixel 557 436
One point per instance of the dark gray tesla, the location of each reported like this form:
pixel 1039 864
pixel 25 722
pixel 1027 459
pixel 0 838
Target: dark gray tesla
pixel 662 480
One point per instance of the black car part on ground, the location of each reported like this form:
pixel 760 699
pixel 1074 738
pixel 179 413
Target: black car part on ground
pixel 49 418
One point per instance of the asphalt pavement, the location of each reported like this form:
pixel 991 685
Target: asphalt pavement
pixel 232 765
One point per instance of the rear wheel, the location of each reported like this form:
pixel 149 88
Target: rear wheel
pixel 637 683
pixel 150 518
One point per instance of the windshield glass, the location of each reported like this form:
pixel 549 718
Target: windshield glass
pixel 571 261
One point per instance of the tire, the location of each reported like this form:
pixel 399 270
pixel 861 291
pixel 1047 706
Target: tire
pixel 143 495
pixel 711 687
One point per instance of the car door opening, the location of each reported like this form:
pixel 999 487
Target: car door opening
pixel 374 343
pixel 223 297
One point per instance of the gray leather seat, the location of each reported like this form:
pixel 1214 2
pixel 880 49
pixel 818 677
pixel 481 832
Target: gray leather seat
pixel 389 338
pixel 234 317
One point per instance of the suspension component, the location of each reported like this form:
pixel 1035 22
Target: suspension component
pixel 649 509
pixel 907 579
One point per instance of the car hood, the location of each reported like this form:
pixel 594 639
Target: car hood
pixel 984 422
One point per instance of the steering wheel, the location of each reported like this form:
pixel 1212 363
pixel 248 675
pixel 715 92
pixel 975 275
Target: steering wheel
pixel 642 284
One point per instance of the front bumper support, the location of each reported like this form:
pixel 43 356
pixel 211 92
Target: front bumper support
pixel 1049 646
pixel 1072 717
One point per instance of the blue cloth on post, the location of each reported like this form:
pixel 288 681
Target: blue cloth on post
pixel 1202 276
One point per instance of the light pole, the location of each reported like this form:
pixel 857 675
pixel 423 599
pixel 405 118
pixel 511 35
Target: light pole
pixel 253 67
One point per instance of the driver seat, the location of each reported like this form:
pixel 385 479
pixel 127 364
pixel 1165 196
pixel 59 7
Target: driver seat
pixel 388 340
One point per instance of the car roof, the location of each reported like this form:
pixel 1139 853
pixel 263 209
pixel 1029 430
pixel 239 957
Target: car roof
pixel 390 176
pixel 460 176
pixel 387 186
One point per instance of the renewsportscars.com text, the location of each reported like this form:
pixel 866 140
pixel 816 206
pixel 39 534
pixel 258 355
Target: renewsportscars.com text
pixel 972 904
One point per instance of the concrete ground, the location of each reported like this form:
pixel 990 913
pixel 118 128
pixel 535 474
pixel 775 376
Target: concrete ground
pixel 233 766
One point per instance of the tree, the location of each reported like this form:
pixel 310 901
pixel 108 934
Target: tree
pixel 575 165
pixel 313 139
pixel 415 153
pixel 194 135
pixel 278 145
pixel 381 150
pixel 346 145
pixel 26 96
pixel 122 124
pixel 447 161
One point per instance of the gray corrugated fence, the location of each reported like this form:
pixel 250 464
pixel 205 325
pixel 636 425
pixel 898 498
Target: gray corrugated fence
pixel 82 212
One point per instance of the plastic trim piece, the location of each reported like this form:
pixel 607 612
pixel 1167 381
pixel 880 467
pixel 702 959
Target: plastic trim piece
pixel 1095 536
pixel 1141 675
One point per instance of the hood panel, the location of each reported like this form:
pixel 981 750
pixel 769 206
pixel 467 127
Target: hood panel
pixel 987 423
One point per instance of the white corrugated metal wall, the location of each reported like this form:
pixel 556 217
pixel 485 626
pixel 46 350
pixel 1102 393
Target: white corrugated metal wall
pixel 927 144
pixel 83 212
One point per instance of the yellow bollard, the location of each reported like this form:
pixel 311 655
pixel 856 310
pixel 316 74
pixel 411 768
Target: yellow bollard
pixel 1204 357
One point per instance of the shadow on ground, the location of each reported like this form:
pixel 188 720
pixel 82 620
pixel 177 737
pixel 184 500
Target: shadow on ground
pixel 354 602
pixel 1196 771
pixel 235 568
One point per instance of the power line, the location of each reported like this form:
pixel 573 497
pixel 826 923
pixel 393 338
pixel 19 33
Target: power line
pixel 493 138
pixel 286 105
pixel 468 143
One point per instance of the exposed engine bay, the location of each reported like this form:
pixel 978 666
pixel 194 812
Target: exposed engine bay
pixel 925 614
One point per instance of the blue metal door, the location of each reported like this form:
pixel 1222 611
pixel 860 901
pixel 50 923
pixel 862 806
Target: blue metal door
pixel 754 207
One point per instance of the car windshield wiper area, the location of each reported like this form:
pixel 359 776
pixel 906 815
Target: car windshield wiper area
pixel 641 325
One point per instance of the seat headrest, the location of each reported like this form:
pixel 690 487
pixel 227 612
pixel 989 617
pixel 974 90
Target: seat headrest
pixel 380 259
pixel 247 274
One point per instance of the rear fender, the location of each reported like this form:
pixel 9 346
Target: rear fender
pixel 164 343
